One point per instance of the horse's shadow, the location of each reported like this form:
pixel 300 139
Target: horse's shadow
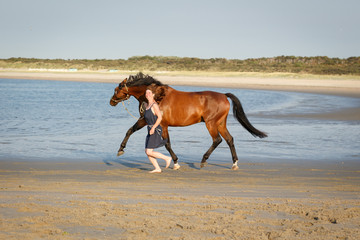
pixel 133 164
pixel 197 165
pixel 193 166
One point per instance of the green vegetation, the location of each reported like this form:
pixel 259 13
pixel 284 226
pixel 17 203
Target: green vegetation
pixel 281 64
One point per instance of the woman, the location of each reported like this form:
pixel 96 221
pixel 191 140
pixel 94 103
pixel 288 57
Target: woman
pixel 154 138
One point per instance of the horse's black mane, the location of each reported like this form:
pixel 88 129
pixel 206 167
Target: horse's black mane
pixel 142 79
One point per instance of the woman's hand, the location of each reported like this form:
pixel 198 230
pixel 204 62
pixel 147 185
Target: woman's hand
pixel 152 131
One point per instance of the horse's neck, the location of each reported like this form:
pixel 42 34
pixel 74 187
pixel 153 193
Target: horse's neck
pixel 139 94
pixel 142 98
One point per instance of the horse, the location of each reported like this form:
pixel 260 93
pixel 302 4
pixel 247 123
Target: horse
pixel 182 109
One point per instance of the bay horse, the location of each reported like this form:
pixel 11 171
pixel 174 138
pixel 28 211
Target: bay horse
pixel 181 109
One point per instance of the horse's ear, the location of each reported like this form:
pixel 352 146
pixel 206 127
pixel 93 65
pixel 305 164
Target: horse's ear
pixel 122 83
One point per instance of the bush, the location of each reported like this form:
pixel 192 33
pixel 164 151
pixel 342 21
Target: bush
pixel 290 64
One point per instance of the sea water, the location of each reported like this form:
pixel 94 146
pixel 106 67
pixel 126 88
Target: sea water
pixel 54 120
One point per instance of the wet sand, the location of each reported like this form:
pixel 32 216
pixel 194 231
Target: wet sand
pixel 270 200
pixel 279 199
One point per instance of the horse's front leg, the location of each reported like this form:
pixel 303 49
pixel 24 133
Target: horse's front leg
pixel 168 147
pixel 137 126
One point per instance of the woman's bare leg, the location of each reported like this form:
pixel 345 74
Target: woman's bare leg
pixel 152 154
pixel 155 164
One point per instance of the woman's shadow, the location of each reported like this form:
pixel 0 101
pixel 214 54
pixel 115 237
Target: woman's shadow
pixel 133 163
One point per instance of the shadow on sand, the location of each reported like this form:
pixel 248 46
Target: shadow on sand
pixel 141 165
pixel 126 163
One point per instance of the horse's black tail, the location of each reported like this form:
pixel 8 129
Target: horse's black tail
pixel 241 117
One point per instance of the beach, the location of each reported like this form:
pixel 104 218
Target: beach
pixel 347 86
pixel 65 200
pixel 271 199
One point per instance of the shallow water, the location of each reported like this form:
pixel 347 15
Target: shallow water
pixel 54 120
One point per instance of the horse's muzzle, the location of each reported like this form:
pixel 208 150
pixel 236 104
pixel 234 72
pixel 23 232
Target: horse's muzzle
pixel 114 102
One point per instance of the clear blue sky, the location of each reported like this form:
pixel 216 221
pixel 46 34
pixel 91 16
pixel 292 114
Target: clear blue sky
pixel 233 29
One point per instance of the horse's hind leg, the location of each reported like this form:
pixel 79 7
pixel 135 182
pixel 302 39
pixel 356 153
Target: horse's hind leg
pixel 138 125
pixel 216 141
pixel 230 141
pixel 168 147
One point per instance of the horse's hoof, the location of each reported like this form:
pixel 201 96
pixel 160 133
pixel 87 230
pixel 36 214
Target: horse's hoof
pixel 120 153
pixel 203 165
pixel 176 166
pixel 235 167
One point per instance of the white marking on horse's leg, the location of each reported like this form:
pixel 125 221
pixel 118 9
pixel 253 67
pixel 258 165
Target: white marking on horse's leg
pixel 235 166
pixel 176 166
pixel 203 164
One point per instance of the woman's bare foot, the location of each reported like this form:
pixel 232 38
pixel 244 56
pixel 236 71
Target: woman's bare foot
pixel 168 162
pixel 155 171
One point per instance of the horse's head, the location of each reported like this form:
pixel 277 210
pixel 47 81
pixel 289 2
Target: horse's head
pixel 136 86
pixel 121 93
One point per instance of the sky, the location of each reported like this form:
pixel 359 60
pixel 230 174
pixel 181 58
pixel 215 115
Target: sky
pixel 232 29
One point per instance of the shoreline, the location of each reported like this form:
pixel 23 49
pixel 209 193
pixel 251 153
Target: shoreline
pixel 339 87
pixel 325 86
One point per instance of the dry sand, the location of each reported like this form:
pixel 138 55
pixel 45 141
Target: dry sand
pixel 118 200
pixel 337 85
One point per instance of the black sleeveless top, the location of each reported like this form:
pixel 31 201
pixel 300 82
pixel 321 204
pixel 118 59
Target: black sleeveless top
pixel 155 140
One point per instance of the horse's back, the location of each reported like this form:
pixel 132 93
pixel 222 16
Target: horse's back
pixel 198 99
pixel 187 108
